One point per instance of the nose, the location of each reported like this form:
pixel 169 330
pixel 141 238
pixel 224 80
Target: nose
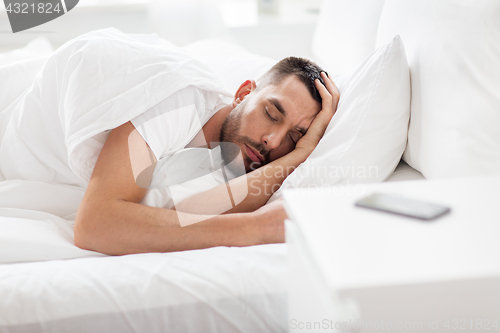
pixel 273 139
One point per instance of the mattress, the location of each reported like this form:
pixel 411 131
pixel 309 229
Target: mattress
pixel 221 289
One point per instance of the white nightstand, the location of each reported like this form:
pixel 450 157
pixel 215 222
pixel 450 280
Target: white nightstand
pixel 354 269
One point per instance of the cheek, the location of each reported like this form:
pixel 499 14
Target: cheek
pixel 281 151
pixel 251 124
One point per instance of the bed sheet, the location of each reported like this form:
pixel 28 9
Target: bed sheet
pixel 36 221
pixel 221 289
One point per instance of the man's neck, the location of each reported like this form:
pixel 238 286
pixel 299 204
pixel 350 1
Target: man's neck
pixel 211 130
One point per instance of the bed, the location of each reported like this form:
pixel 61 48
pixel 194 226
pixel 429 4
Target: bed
pixel 221 289
pixel 49 285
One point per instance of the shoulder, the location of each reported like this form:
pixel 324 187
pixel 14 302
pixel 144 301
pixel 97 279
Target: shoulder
pixel 205 102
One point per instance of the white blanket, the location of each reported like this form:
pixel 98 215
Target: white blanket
pixel 216 290
pixel 51 136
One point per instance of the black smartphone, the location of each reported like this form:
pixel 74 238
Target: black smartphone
pixel 393 203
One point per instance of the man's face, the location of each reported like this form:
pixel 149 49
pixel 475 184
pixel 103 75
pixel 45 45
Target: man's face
pixel 269 122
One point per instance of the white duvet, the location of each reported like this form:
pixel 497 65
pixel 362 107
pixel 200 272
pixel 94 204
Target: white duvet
pixel 52 132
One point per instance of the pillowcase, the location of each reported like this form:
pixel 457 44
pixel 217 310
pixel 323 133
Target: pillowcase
pixel 367 135
pixel 17 70
pixel 346 33
pixel 453 51
pixel 19 67
pixel 38 47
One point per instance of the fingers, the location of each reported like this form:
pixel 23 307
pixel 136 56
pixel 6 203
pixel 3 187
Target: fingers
pixel 323 91
pixel 330 85
pixel 328 92
pixel 327 99
pixel 330 97
pixel 328 108
pixel 332 88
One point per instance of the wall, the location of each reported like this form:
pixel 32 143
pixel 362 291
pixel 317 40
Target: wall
pixel 277 36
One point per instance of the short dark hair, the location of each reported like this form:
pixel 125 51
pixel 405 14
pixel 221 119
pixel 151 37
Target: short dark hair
pixel 305 70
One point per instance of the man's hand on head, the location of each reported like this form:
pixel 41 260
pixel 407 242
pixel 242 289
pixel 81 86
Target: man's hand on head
pixel 330 98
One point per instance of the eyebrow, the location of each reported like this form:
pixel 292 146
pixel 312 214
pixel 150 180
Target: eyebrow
pixel 281 109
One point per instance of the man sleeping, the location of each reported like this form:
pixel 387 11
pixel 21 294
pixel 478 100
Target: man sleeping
pixel 275 123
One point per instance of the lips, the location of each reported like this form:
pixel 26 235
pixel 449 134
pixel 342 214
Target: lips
pixel 253 155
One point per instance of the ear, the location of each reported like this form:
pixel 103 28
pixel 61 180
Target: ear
pixel 245 88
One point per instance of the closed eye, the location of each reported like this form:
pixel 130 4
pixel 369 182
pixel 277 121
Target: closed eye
pixel 269 116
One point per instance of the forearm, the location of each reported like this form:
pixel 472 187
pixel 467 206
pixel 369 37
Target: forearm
pixel 120 227
pixel 249 192
pixel 263 182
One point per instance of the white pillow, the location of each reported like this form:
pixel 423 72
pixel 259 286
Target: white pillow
pixel 17 70
pixel 453 51
pixel 346 33
pixel 367 135
pixel 19 67
pixel 38 47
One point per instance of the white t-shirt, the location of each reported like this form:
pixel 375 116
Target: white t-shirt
pixel 171 124
pixel 181 172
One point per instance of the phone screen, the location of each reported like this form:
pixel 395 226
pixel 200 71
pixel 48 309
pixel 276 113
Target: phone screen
pixel 400 205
